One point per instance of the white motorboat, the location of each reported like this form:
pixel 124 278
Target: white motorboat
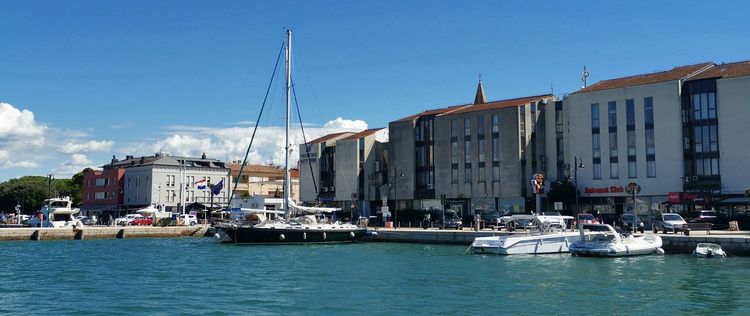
pixel 708 250
pixel 58 213
pixel 603 240
pixel 540 240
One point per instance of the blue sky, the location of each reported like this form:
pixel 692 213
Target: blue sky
pixel 84 80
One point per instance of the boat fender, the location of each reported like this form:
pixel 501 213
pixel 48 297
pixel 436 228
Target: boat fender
pixel 324 236
pixel 659 251
pixel 304 236
pixel 282 237
pixel 217 236
pixel 351 234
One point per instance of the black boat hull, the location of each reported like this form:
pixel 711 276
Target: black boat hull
pixel 265 236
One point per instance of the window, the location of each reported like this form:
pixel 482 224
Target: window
pixel 480 126
pixel 495 150
pixel 467 128
pixel 454 152
pixel 495 123
pixel 480 150
pixel 454 175
pixel 454 128
pixel 648 109
pixel 595 115
pixel 632 169
pixel 597 171
pixel 481 174
pixel 467 154
pixel 614 170
pixel 495 173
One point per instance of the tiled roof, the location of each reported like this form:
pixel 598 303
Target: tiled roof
pixel 327 137
pixel 677 73
pixel 433 112
pixel 364 133
pixel 498 104
pixel 738 69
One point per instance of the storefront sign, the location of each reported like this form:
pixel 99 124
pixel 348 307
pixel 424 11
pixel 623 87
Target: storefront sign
pixel 612 189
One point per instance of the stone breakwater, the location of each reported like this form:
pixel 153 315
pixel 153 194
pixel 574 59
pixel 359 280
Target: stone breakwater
pixel 97 232
pixel 735 243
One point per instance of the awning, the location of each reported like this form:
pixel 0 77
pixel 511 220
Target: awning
pixel 735 200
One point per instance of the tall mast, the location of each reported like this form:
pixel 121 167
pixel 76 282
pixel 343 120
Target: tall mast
pixel 288 115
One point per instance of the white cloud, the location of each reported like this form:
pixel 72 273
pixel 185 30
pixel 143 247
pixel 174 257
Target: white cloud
pixel 28 147
pixel 15 123
pixel 87 147
pixel 73 165
pixel 230 144
pixel 346 124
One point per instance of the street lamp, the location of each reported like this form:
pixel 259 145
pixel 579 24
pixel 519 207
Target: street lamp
pixel 50 177
pixel 399 174
pixel 578 164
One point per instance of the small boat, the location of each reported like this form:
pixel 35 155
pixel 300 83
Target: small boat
pixel 601 240
pixel 708 250
pixel 543 238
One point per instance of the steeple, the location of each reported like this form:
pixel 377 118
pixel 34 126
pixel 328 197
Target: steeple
pixel 480 98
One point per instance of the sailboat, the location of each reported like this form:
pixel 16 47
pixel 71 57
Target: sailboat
pixel 299 225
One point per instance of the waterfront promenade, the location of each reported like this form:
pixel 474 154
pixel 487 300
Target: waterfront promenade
pixel 734 242
pixel 100 232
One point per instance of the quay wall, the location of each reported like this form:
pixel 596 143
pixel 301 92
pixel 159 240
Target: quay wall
pixel 89 232
pixel 735 243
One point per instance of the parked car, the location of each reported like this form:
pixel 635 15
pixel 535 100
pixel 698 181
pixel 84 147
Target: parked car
pixel 86 220
pixel 673 222
pixel 491 219
pixel 452 220
pixel 717 220
pixel 586 218
pixel 143 221
pixel 628 221
pixel 127 219
pixel 186 219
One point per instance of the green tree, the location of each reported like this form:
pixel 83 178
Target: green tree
pixel 28 191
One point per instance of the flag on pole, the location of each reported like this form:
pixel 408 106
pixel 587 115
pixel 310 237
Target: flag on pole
pixel 217 188
pixel 200 184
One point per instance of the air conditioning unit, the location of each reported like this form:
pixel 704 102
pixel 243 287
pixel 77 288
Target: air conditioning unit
pixel 376 166
pixel 325 189
pixel 695 178
pixel 429 186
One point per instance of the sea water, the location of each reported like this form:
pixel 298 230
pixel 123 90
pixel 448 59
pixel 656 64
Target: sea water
pixel 199 277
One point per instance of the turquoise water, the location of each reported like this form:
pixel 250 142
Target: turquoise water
pixel 197 276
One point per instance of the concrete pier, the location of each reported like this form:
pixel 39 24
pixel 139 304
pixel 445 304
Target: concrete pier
pixel 100 232
pixel 735 243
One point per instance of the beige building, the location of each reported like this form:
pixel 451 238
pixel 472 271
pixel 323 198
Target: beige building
pixel 264 180
pixel 348 170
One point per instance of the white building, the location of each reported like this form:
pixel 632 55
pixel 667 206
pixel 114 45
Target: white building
pixel 670 132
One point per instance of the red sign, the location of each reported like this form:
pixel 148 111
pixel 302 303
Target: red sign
pixel 612 189
pixel 674 197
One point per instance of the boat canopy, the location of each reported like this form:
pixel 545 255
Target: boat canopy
pixel 313 209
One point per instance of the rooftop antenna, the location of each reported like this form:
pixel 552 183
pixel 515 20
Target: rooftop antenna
pixel 584 76
pixel 551 88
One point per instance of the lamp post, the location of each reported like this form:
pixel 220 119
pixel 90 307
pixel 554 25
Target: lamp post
pixel 50 177
pixel 578 164
pixel 399 174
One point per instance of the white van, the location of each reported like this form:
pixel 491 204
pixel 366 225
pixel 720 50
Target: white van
pixel 186 219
